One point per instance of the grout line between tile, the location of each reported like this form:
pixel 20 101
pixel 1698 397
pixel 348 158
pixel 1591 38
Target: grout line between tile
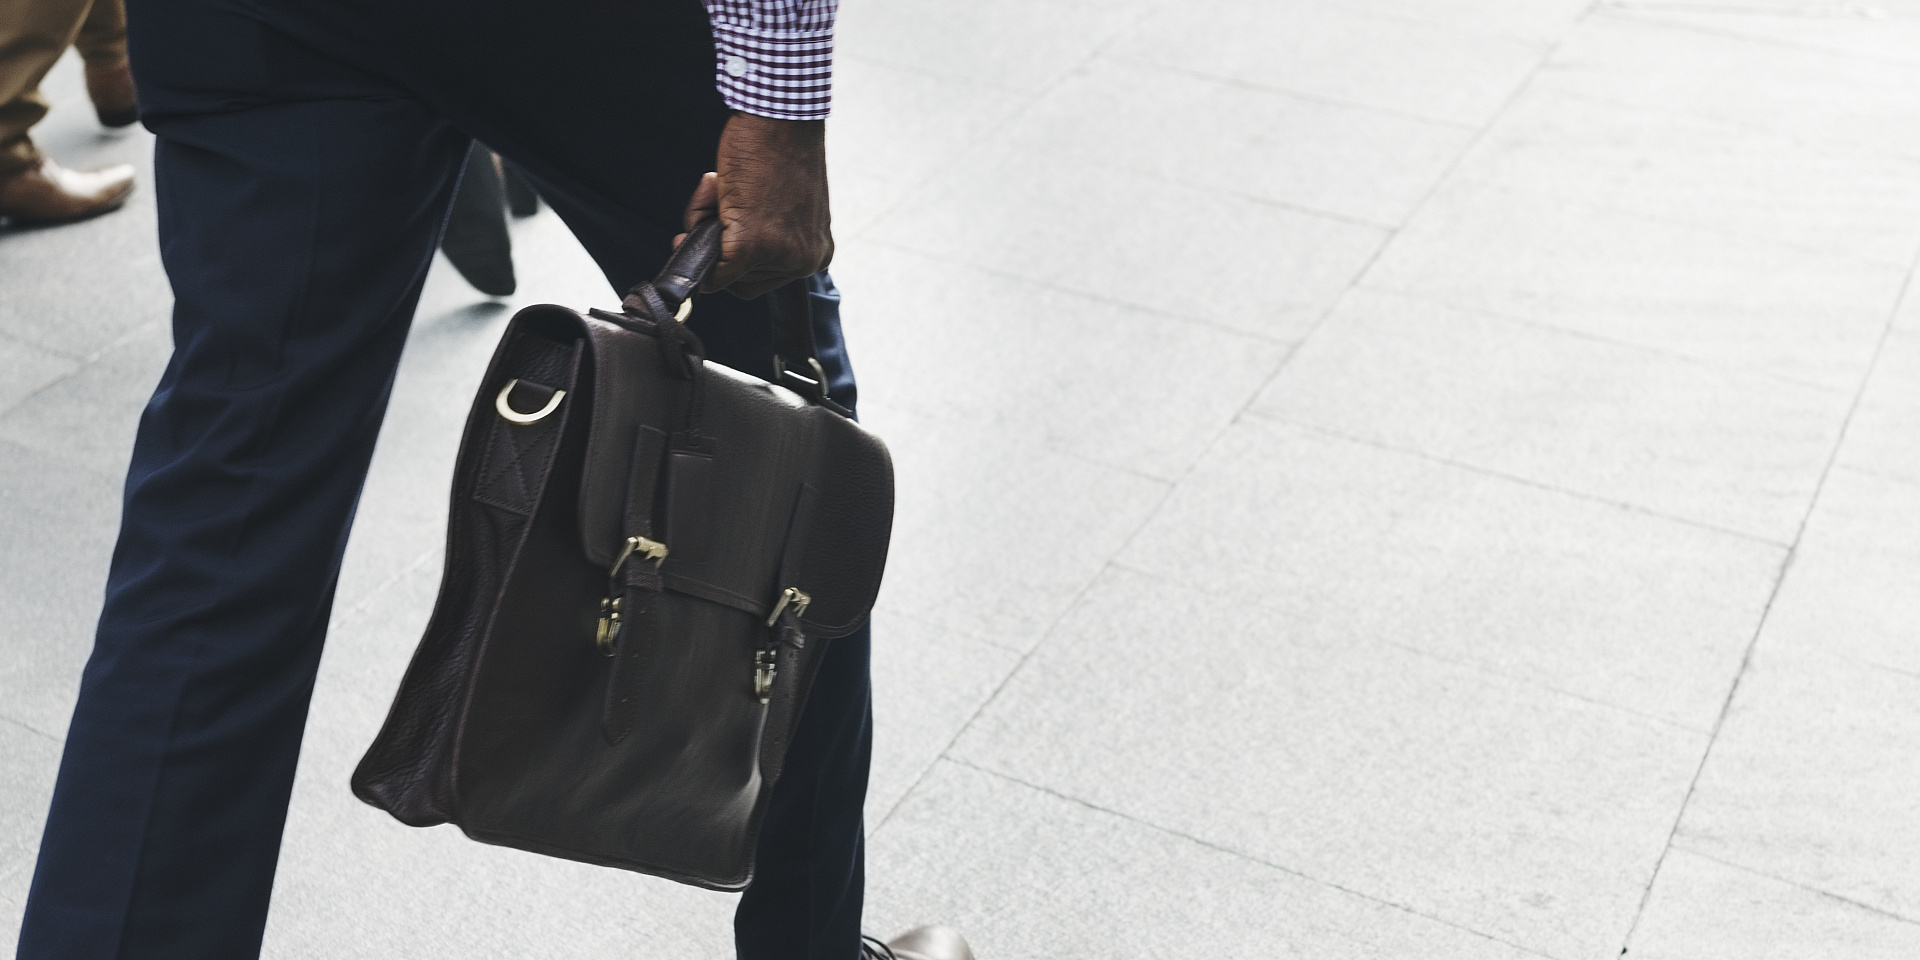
pixel 1590 336
pixel 1243 855
pixel 1695 226
pixel 1514 478
pixel 1302 95
pixel 1444 177
pixel 1098 51
pixel 1819 144
pixel 1649 14
pixel 30 728
pixel 1252 395
pixel 917 617
pixel 1465 663
pixel 1759 629
pixel 915 187
pixel 1878 474
pixel 1825 143
pixel 1053 287
pixel 918 70
pixel 1255 198
pixel 1870 908
pixel 29 344
pixel 1065 611
pixel 154 318
pixel 366 600
pixel 1441 24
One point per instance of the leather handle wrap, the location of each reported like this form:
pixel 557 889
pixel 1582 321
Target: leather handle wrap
pixel 796 353
pixel 689 264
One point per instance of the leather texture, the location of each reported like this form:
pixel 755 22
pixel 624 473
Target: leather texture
pixel 530 716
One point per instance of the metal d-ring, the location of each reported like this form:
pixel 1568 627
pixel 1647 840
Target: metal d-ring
pixel 515 416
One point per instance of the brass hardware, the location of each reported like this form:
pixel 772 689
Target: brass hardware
pixel 791 595
pixel 609 631
pixel 765 665
pixel 686 309
pixel 647 549
pixel 766 660
pixel 514 416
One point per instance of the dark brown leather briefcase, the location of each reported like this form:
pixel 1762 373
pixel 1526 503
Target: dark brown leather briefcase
pixel 646 554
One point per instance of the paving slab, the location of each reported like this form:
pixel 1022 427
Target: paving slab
pixel 1027 873
pixel 1713 174
pixel 1881 433
pixel 58 523
pixel 1023 45
pixel 1163 246
pixel 88 419
pixel 1409 67
pixel 1494 805
pixel 1851 589
pixel 1604 602
pixel 928 682
pixel 1875 31
pixel 902 122
pixel 999 538
pixel 895 126
pixel 1813 776
pixel 29 369
pixel 1732 449
pixel 1737 301
pixel 28 761
pixel 1807 94
pixel 1704 910
pixel 14 882
pixel 1539 21
pixel 1058 370
pixel 1324 157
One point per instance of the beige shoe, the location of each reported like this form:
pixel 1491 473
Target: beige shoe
pixel 920 943
pixel 50 193
pixel 110 87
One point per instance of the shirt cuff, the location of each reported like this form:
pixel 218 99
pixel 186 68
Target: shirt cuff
pixel 785 75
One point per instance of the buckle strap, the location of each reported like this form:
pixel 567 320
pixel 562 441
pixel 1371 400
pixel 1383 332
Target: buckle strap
pixel 630 615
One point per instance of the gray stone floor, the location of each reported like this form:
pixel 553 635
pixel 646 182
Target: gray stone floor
pixel 1379 478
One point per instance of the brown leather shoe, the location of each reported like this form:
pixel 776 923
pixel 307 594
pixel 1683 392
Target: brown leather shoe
pixel 920 943
pixel 50 193
pixel 110 87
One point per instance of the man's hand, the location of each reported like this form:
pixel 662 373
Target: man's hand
pixel 770 190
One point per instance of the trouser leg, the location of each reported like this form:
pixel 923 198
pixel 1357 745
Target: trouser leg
pixel 33 35
pixel 296 237
pixel 103 34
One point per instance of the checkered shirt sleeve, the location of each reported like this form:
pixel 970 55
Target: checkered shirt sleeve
pixel 774 57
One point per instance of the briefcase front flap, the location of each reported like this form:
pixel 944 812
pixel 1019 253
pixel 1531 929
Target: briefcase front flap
pixel 843 521
pixel 757 491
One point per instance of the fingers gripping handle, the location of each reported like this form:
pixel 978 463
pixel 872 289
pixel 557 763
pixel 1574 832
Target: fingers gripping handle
pixel 689 264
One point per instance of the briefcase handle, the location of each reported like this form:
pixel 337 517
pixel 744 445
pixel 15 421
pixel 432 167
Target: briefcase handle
pixel 689 263
pixel 796 360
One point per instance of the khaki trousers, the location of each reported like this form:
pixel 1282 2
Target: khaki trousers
pixel 33 35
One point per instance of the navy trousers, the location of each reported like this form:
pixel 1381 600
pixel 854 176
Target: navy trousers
pixel 303 176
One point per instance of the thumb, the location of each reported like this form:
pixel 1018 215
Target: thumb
pixel 705 202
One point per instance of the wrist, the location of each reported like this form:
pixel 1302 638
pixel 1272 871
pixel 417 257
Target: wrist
pixel 786 129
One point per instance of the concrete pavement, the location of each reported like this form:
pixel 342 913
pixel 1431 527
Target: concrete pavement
pixel 1378 478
